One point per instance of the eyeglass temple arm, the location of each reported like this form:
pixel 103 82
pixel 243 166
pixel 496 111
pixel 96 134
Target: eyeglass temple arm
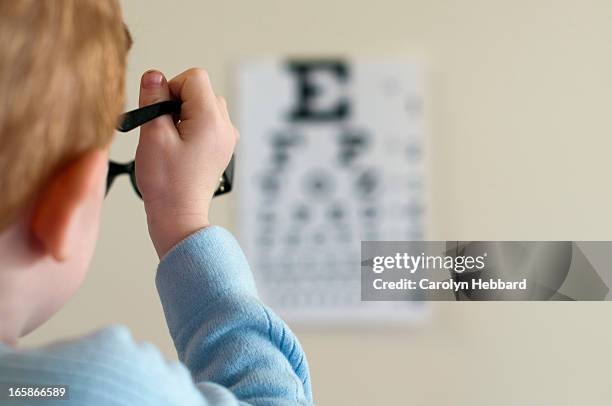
pixel 138 117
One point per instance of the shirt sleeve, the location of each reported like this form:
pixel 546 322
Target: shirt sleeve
pixel 222 332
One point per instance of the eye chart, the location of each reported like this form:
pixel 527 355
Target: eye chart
pixel 332 153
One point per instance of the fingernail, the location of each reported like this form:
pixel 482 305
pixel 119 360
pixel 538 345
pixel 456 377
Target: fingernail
pixel 152 79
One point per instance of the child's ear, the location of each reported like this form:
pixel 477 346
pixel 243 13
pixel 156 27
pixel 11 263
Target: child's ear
pixel 63 203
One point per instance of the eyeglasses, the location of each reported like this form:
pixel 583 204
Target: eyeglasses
pixel 138 117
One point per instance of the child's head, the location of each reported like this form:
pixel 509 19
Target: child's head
pixel 62 66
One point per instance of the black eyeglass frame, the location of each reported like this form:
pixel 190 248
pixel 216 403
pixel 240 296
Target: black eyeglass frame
pixel 136 118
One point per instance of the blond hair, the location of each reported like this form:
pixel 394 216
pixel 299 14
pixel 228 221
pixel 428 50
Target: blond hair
pixel 62 68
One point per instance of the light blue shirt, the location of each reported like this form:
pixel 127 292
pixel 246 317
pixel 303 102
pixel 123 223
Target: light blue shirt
pixel 233 349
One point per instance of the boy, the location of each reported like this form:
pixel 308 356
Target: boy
pixel 62 66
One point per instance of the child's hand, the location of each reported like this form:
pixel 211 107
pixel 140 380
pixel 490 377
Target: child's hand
pixel 178 166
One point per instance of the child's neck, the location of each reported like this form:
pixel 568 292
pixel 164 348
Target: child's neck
pixel 9 341
pixel 15 262
pixel 9 328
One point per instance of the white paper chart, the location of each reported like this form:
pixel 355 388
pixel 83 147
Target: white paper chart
pixel 332 152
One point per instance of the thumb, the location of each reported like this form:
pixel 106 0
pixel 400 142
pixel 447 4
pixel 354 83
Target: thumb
pixel 154 89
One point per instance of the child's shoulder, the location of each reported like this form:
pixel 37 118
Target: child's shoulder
pixel 103 365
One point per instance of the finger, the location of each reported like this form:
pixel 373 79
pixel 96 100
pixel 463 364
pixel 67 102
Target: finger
pixel 194 89
pixel 222 103
pixel 225 112
pixel 154 89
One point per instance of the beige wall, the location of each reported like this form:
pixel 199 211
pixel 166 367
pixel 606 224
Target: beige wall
pixel 520 128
